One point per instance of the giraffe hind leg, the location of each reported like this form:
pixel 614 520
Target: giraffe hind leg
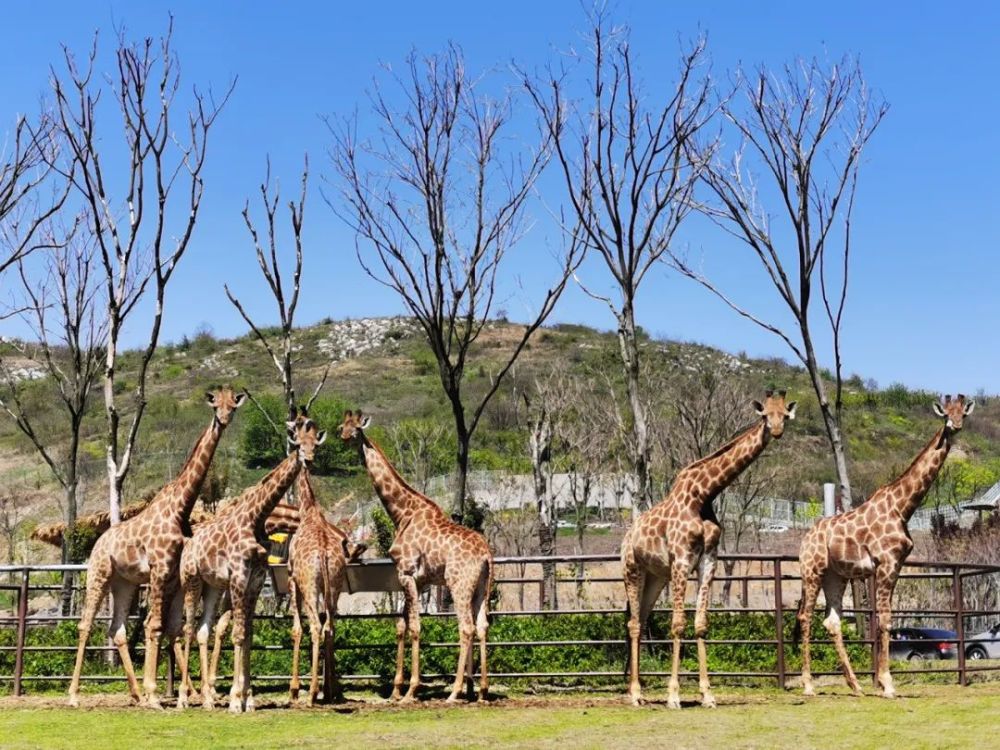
pixel 833 588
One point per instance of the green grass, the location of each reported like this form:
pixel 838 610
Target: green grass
pixel 925 717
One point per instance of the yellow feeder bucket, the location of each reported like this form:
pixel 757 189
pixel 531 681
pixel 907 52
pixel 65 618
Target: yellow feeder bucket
pixel 277 561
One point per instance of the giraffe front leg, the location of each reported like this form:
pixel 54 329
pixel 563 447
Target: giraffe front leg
pixel 397 680
pixel 810 590
pixel 678 587
pixel 701 626
pixel 239 635
pixel 412 593
pixel 154 630
pixel 885 582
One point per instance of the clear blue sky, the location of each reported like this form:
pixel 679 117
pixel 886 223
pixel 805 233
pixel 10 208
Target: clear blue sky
pixel 923 305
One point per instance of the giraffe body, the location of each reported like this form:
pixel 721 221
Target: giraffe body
pixel 429 548
pixel 870 540
pixel 146 549
pixel 317 566
pixel 228 555
pixel 665 544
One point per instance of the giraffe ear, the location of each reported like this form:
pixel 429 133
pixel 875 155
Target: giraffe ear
pixel 790 409
pixel 758 407
pixel 240 399
pixel 938 409
pixel 321 437
pixel 210 397
pixel 365 422
pixel 969 407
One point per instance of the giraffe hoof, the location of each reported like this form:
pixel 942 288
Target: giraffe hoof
pixel 235 708
pixel 708 700
pixel 453 698
pixel 809 691
pixel 208 706
pixel 674 703
pixel 74 701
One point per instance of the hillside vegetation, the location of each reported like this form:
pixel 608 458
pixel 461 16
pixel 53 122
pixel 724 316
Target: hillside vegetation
pixel 383 366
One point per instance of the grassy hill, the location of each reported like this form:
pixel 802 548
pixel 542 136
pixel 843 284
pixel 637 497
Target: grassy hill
pixel 384 367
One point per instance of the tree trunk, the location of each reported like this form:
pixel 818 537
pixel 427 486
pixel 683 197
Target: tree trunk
pixel 66 595
pixel 830 421
pixel 728 567
pixel 462 453
pixel 640 448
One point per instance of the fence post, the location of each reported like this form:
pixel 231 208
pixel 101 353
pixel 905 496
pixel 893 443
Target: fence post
pixel 873 629
pixel 779 622
pixel 956 590
pixel 22 626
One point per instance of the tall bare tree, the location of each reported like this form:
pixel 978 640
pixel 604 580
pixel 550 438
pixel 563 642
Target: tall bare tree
pixel 437 197
pixel 286 300
pixel 144 224
pixel 27 200
pixel 801 133
pixel 629 170
pixel 61 299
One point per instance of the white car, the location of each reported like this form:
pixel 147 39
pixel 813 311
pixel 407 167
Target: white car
pixel 985 645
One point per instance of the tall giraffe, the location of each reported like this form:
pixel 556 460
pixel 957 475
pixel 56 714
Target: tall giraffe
pixel 429 548
pixel 146 549
pixel 317 565
pixel 228 554
pixel 667 541
pixel 870 540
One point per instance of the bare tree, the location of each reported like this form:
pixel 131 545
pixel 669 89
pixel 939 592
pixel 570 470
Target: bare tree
pixel 417 443
pixel 24 173
pixel 437 201
pixel 286 300
pixel 62 310
pixel 629 169
pixel 544 401
pixel 143 226
pixel 12 522
pixel 804 131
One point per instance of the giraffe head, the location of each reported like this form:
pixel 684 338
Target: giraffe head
pixel 353 427
pixel 954 411
pixel 304 435
pixel 353 550
pixel 775 412
pixel 224 402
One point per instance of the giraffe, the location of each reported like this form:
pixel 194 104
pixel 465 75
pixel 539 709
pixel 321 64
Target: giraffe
pixel 227 554
pixel 284 518
pixel 317 564
pixel 146 548
pixel 429 548
pixel 870 540
pixel 666 542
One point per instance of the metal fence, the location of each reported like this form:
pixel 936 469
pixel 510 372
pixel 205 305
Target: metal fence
pixel 929 593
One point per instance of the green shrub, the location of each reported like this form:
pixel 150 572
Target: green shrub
pixel 260 445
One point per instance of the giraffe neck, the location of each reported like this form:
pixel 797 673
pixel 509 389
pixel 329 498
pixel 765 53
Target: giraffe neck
pixel 914 483
pixel 720 469
pixel 400 500
pixel 308 505
pixel 269 491
pixel 192 474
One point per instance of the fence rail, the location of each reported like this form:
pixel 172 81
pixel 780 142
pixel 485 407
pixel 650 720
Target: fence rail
pixel 773 589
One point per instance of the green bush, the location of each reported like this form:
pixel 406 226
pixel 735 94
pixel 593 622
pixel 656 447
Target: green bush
pixel 261 446
pixel 439 636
